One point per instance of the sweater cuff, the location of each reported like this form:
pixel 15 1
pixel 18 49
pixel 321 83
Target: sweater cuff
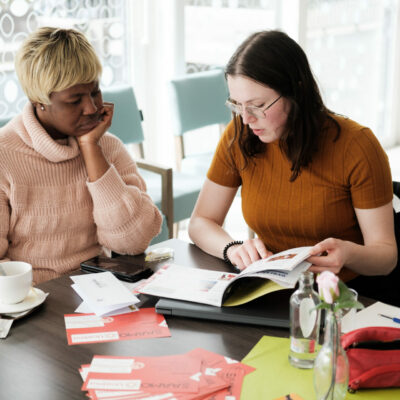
pixel 108 189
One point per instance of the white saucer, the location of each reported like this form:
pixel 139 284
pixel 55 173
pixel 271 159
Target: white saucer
pixel 35 297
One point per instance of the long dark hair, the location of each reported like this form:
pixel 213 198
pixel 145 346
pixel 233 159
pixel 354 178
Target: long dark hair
pixel 274 59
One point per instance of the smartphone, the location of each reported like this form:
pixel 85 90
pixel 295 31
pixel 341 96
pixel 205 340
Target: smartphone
pixel 121 267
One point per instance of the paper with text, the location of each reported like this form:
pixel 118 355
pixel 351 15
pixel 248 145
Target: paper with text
pixel 150 374
pixel 90 328
pixel 219 378
pixel 214 287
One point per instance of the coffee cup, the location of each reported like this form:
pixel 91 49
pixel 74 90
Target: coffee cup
pixel 15 281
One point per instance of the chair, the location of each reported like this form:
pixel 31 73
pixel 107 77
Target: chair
pixel 4 120
pixel 175 194
pixel 127 126
pixel 384 288
pixel 199 101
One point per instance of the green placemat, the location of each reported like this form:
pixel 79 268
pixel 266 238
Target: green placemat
pixel 275 377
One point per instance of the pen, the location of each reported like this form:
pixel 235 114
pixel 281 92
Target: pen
pixel 397 320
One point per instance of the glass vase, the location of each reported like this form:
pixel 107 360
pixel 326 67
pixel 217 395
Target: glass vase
pixel 304 323
pixel 331 367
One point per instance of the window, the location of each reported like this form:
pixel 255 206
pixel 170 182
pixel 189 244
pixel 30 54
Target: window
pixel 215 28
pixel 102 21
pixel 351 48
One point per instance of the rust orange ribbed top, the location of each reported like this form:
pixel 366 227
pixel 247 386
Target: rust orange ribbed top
pixel 352 171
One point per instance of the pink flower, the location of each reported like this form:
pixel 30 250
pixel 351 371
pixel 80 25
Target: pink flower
pixel 328 286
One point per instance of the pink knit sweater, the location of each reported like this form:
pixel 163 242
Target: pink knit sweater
pixel 51 216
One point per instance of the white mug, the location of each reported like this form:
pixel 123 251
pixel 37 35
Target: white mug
pixel 15 281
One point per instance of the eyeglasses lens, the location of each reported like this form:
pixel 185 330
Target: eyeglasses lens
pixel 238 109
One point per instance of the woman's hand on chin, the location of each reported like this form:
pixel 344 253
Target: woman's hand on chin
pixel 93 136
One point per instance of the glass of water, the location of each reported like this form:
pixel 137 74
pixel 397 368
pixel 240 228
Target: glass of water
pixel 348 314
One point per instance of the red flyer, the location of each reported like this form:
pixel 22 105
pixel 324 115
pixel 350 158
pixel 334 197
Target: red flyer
pixel 211 376
pixel 150 374
pixel 232 371
pixel 90 328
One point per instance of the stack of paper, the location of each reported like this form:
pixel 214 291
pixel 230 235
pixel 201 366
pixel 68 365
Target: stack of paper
pixel 199 374
pixel 103 294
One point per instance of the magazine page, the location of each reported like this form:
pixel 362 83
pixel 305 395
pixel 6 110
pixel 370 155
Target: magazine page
pixel 189 284
pixel 209 287
pixel 287 279
pixel 273 280
pixel 284 261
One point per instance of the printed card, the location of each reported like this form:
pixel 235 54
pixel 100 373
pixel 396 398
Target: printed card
pixel 90 328
pixel 150 374
pixel 212 377
pixel 232 371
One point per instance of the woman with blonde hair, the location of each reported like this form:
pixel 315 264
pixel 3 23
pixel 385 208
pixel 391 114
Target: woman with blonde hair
pixel 68 189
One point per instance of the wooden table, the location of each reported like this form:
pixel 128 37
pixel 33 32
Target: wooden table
pixel 37 363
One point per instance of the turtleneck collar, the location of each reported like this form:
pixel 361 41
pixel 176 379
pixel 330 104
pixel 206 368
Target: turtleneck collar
pixel 34 135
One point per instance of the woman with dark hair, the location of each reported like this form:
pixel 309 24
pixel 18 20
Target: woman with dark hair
pixel 308 176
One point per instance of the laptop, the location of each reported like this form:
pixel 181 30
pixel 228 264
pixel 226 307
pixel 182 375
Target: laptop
pixel 269 310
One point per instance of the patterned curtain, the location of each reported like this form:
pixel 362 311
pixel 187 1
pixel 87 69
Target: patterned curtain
pixel 102 21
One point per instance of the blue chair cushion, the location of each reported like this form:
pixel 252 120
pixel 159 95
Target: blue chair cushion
pixel 163 235
pixel 199 100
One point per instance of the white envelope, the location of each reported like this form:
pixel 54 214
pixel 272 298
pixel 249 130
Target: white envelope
pixel 103 292
pixel 84 308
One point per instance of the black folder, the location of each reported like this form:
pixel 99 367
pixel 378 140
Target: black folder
pixel 269 310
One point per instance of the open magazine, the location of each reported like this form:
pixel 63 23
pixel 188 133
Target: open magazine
pixel 279 271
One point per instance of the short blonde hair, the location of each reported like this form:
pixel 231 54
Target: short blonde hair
pixel 54 59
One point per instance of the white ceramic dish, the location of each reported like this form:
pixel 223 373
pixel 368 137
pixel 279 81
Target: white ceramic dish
pixel 35 297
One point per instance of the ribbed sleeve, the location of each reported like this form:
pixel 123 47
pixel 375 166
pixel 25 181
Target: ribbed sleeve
pixel 125 216
pixel 4 224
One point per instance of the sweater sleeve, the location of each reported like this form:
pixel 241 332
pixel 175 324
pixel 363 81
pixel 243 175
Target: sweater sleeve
pixel 125 216
pixel 4 225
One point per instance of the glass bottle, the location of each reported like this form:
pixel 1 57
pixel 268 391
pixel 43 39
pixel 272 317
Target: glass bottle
pixel 304 323
pixel 331 366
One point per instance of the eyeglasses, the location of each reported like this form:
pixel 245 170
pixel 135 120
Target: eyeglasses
pixel 258 112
